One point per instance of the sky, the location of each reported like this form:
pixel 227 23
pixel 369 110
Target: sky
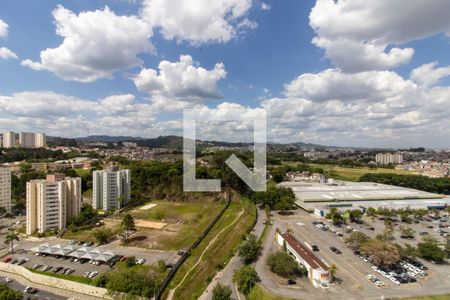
pixel 333 72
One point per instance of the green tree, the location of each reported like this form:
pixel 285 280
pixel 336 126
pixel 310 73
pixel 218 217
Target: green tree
pixel 387 235
pixel 127 226
pixel 250 249
pixel 356 239
pixel 355 215
pixel 221 292
pixel 10 238
pixel 407 232
pixel 102 235
pixel 135 281
pixel 381 253
pixel 429 249
pixel 332 270
pixel 371 212
pixel 245 278
pixel 282 264
pixel 6 293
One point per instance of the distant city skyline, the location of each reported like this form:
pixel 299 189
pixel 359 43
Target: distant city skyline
pixel 342 73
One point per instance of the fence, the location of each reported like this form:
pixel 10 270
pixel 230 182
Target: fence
pixel 185 255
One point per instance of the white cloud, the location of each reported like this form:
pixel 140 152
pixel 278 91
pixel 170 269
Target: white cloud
pixel 183 80
pixel 334 84
pixel 428 74
pixel 197 21
pixel 5 53
pixel 265 6
pixel 355 34
pixel 3 29
pixel 96 44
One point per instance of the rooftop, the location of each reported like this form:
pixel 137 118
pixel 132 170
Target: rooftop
pixel 304 252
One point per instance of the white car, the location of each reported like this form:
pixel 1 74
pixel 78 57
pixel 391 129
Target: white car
pixel 371 277
pixel 411 274
pixel 375 268
pixel 379 283
pixel 394 280
pixel 384 274
pixel 8 280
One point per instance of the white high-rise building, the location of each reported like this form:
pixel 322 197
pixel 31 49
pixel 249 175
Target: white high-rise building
pixel 52 202
pixel 5 189
pixel 389 158
pixel 40 140
pixel 9 139
pixel 27 139
pixel 111 188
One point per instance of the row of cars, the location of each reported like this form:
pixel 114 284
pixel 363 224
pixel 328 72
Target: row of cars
pixel 325 227
pixel 15 261
pixel 47 268
pixel 402 272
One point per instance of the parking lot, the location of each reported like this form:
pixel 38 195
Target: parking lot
pixel 356 274
pixel 56 264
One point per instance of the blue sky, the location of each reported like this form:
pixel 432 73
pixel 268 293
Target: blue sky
pixel 337 73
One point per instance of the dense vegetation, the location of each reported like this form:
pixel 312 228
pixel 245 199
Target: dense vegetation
pixel 31 155
pixel 277 198
pixel 6 293
pixel 283 264
pixel 131 279
pixel 432 185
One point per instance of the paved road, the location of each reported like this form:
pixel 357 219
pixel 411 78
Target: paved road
pixel 225 276
pixel 39 295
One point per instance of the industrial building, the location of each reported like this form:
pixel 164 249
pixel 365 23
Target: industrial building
pixel 361 195
pixel 317 269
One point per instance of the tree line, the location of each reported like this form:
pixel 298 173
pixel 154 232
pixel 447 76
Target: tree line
pixel 432 185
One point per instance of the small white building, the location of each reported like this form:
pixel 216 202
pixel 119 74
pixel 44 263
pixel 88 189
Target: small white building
pixel 317 269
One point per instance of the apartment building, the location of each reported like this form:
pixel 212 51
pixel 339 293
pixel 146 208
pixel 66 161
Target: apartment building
pixel 40 140
pixel 9 139
pixel 52 202
pixel 5 189
pixel 27 139
pixel 388 158
pixel 111 188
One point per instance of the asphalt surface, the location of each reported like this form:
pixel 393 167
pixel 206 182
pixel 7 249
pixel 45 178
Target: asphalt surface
pixel 351 269
pixel 39 295
pixel 225 276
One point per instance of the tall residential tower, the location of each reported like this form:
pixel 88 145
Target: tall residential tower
pixel 52 202
pixel 111 188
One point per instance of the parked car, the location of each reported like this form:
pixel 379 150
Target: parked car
pixel 8 280
pixel 291 281
pixel 30 290
pixel 315 248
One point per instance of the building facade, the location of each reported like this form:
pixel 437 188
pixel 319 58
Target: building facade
pixel 388 158
pixel 9 139
pixel 27 139
pixel 317 270
pixel 111 188
pixel 5 189
pixel 52 202
pixel 40 140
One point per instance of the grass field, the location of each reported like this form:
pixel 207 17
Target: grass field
pixel 353 174
pixel 185 221
pixel 88 234
pixel 220 243
pixel 75 278
pixel 259 293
